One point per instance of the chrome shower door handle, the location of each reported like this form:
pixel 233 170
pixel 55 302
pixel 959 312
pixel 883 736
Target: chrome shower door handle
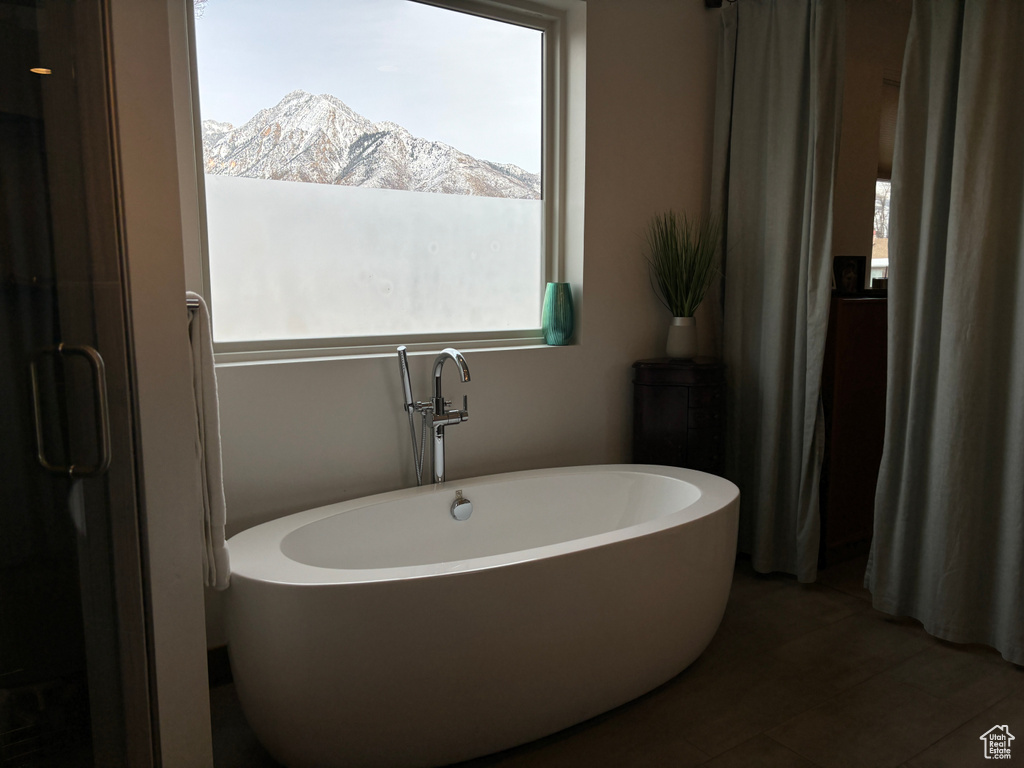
pixel 101 411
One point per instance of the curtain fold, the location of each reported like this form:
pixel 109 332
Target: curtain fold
pixel 777 122
pixel 948 544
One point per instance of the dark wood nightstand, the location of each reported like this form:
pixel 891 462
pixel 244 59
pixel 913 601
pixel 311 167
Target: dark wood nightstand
pixel 678 413
pixel 853 396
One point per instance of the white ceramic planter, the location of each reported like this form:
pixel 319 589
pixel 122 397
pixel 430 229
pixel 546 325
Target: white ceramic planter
pixel 682 338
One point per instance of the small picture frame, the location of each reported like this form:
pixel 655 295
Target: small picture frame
pixel 848 274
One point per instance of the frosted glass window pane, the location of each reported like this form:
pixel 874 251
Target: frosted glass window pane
pixel 372 168
pixel 299 261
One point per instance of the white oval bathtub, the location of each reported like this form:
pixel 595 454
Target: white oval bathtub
pixel 382 632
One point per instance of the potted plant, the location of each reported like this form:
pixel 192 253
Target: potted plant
pixel 681 254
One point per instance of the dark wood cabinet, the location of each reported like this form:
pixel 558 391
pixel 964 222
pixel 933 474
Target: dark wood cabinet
pixel 853 397
pixel 678 413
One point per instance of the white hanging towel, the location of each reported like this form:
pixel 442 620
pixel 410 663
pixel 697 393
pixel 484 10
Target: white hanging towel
pixel 216 566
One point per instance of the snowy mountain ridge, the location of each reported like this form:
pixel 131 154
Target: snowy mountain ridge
pixel 319 139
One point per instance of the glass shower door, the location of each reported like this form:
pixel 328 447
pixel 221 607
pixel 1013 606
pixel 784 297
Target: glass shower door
pixel 73 670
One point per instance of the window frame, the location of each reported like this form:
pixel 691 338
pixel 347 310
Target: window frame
pixel 552 22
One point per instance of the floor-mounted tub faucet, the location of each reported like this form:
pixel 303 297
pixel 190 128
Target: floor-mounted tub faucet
pixel 434 412
pixel 443 417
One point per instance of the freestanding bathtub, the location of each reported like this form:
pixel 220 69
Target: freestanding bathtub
pixel 383 632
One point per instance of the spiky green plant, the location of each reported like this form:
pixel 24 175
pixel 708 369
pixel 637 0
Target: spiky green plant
pixel 681 255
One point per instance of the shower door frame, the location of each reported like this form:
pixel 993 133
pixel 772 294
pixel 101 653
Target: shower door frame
pixel 90 287
pixel 121 291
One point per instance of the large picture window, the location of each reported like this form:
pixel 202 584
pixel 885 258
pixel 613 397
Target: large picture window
pixel 374 169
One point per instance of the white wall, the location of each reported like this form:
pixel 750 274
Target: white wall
pixel 306 433
pixel 311 432
pixel 140 43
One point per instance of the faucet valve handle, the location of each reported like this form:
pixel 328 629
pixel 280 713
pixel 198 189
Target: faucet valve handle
pixel 464 413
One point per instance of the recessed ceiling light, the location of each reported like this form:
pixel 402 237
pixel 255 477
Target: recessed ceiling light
pixel 41 71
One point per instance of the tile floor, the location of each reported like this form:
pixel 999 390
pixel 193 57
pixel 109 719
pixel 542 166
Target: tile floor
pixel 798 676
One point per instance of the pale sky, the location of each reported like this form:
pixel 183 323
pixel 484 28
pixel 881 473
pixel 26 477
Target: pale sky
pixel 444 76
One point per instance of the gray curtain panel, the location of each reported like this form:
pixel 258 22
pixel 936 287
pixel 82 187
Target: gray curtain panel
pixel 949 507
pixel 778 115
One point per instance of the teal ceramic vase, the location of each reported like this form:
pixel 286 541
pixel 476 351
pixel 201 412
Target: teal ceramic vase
pixel 556 317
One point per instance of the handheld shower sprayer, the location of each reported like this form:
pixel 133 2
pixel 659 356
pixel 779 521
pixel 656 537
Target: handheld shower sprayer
pixel 403 368
pixel 411 407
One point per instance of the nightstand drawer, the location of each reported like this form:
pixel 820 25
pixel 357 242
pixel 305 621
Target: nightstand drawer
pixel 678 413
pixel 704 450
pixel 706 397
pixel 704 418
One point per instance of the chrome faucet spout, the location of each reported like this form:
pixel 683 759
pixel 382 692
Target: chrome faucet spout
pixel 448 353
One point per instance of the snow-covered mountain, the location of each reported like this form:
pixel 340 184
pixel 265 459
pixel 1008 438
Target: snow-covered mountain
pixel 319 139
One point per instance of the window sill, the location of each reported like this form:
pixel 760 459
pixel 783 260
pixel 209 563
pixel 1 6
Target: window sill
pixel 244 358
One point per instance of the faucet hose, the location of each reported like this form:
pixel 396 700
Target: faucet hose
pixel 423 446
